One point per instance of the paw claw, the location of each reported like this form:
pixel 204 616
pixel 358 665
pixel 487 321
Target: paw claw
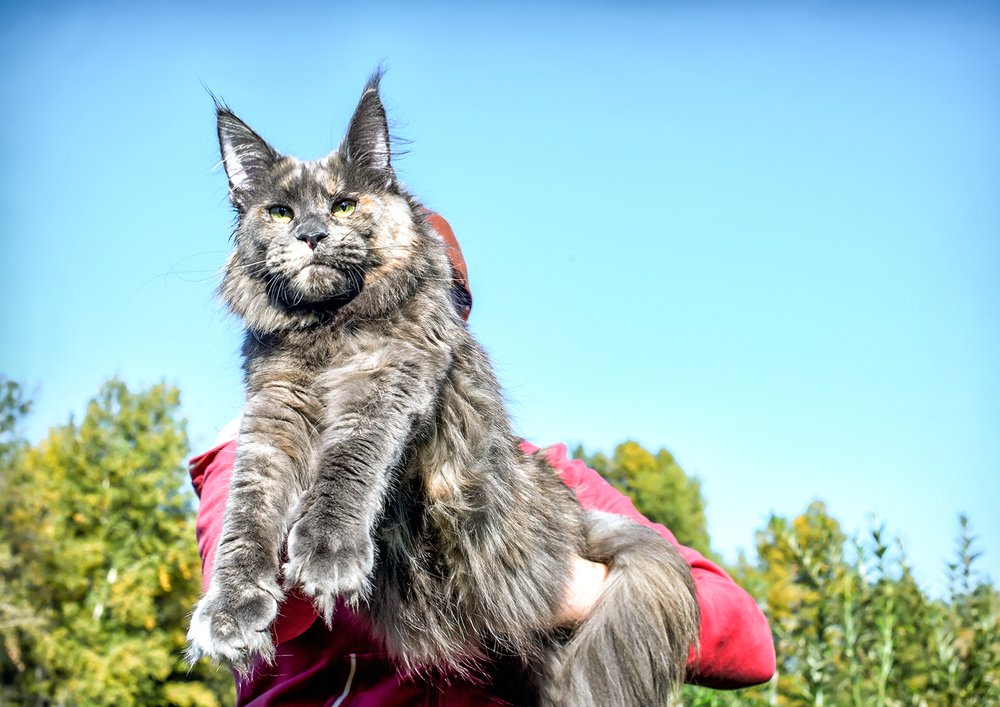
pixel 325 570
pixel 233 626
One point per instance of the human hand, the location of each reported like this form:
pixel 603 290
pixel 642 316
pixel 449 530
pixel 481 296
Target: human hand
pixel 585 585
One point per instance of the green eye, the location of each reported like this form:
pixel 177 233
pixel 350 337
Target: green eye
pixel 281 214
pixel 344 207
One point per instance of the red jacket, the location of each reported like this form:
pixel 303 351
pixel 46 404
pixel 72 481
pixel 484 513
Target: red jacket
pixel 346 665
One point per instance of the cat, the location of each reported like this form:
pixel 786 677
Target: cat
pixel 376 456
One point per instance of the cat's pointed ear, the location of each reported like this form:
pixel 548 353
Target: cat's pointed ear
pixel 245 154
pixel 367 140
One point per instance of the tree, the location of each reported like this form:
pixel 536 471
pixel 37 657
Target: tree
pixel 853 627
pixel 98 558
pixel 17 614
pixel 659 488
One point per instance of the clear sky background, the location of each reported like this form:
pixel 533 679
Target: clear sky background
pixel 763 235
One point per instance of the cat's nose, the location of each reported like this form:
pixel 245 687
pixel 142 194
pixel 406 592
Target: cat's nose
pixel 312 239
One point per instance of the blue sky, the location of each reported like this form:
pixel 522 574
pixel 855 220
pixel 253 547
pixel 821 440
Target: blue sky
pixel 765 236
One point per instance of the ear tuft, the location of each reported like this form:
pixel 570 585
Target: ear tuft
pixel 245 154
pixel 367 140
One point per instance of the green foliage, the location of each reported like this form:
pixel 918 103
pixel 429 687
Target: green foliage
pixel 850 623
pixel 13 406
pixel 99 570
pixel 97 557
pixel 853 627
pixel 659 488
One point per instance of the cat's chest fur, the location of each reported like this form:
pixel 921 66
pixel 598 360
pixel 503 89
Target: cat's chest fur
pixel 319 372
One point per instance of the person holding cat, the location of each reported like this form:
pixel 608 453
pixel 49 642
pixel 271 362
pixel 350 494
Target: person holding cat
pixel 345 665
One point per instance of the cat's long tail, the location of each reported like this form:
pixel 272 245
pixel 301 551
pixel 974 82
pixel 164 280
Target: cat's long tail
pixel 633 648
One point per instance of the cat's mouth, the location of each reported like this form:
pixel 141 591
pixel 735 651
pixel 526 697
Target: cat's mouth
pixel 323 271
pixel 317 282
pixel 327 263
pixel 320 270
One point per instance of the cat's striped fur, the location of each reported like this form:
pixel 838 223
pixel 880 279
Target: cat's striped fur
pixel 377 461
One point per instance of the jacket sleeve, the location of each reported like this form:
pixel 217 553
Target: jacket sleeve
pixel 736 647
pixel 210 474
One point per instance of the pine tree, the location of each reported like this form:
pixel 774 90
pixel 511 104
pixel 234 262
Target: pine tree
pixel 98 558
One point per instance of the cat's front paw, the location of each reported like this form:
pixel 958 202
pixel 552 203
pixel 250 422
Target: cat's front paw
pixel 327 565
pixel 233 625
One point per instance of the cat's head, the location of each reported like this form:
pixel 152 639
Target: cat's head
pixel 312 236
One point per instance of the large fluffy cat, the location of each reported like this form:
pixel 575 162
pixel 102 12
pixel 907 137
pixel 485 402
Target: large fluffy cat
pixel 376 455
